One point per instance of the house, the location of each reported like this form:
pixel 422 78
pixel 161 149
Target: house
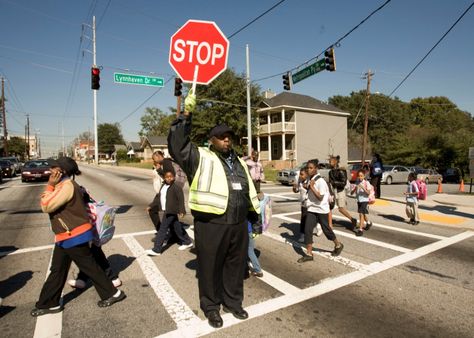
pixel 293 128
pixel 150 144
pixel 135 149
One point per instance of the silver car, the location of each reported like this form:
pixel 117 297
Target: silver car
pixel 429 175
pixel 289 176
pixel 395 174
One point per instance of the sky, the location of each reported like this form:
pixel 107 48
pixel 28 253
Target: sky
pixel 46 64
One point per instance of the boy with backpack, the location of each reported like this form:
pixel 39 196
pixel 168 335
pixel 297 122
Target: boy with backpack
pixel 170 200
pixel 412 199
pixel 365 196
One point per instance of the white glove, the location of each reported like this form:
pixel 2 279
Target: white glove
pixel 190 102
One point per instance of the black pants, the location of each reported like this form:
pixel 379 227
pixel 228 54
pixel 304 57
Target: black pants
pixel 257 185
pixel 154 213
pixel 312 219
pixel 304 211
pixel 375 182
pixel 103 262
pixel 60 264
pixel 170 224
pixel 222 261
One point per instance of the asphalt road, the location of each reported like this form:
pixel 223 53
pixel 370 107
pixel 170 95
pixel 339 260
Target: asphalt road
pixel 394 281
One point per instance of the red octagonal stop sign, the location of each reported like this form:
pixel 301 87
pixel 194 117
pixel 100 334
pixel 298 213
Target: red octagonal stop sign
pixel 201 47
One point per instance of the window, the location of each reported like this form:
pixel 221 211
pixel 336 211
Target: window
pixel 276 118
pixel 263 144
pixel 262 119
pixel 288 116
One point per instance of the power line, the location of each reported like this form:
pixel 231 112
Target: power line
pixel 432 48
pixel 258 17
pixel 336 44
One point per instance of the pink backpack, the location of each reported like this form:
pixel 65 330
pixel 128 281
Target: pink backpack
pixel 422 189
pixel 371 190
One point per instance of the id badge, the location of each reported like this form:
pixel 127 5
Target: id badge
pixel 236 186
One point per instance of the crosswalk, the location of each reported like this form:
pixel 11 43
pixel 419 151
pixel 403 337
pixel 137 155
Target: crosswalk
pixel 189 324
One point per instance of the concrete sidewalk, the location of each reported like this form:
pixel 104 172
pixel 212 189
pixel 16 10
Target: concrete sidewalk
pixel 456 210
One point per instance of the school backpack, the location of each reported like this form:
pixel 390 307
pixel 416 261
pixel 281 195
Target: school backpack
pixel 180 175
pixel 371 190
pixel 422 189
pixel 102 218
pixel 332 195
pixel 265 211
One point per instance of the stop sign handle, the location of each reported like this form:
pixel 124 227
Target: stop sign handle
pixel 196 70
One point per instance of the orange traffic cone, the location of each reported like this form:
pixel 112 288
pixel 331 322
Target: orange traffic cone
pixel 461 186
pixel 440 187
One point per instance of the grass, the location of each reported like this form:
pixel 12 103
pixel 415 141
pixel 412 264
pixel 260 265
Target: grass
pixel 270 174
pixel 143 165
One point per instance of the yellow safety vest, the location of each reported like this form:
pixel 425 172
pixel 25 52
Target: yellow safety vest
pixel 209 190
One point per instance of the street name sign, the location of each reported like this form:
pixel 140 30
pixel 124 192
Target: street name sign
pixel 312 69
pixel 199 51
pixel 138 80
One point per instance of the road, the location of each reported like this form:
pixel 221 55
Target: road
pixel 397 280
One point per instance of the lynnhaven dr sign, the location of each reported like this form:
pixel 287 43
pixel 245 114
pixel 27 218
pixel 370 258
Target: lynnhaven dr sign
pixel 138 80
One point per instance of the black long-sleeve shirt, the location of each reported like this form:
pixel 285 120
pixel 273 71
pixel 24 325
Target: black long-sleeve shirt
pixel 186 154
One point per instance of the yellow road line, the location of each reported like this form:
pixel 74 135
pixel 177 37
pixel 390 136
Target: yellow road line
pixel 441 218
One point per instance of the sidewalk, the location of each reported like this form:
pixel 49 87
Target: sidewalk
pixel 455 210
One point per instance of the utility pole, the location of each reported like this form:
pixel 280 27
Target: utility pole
pixel 94 61
pixel 28 134
pixel 4 119
pixel 368 76
pixel 249 114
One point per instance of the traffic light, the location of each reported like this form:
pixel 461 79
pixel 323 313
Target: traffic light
pixel 330 59
pixel 178 85
pixel 287 82
pixel 95 78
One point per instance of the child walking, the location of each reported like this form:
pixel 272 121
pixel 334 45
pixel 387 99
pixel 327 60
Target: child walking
pixel 361 188
pixel 171 201
pixel 412 200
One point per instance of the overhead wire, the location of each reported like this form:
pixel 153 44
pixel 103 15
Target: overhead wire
pixel 432 48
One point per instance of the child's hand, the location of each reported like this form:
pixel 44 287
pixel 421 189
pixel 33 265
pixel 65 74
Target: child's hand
pixel 148 209
pixel 181 215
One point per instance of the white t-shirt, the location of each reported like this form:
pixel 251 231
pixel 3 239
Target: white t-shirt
pixel 313 203
pixel 163 192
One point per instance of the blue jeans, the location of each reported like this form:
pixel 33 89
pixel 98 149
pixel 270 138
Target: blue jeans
pixel 252 255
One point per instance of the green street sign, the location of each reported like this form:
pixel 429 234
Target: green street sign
pixel 312 69
pixel 138 80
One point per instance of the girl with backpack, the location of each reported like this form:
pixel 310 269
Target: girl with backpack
pixel 362 190
pixel 412 200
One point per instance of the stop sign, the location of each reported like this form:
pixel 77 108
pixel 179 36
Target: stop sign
pixel 199 47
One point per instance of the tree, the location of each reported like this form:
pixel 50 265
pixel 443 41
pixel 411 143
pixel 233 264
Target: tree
pixel 109 134
pixel 155 122
pixel 17 146
pixel 224 101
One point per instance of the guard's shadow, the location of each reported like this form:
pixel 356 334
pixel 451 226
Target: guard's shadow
pixel 5 250
pixel 448 210
pixel 14 283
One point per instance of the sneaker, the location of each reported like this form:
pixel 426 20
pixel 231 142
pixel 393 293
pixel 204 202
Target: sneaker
pixel 257 273
pixel 416 222
pixel 151 252
pixel 301 239
pixel 319 231
pixel 305 258
pixel 112 300
pixel 185 246
pixel 337 250
pixel 116 282
pixel 368 225
pixel 77 283
pixel 359 232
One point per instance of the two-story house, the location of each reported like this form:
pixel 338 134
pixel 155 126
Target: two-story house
pixel 294 128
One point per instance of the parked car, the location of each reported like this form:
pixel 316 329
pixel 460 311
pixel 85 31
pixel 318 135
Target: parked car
pixel 395 174
pixel 452 175
pixel 428 175
pixel 353 169
pixel 8 169
pixel 289 176
pixel 16 163
pixel 35 170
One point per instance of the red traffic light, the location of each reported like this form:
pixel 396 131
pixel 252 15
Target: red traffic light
pixel 95 78
pixel 95 71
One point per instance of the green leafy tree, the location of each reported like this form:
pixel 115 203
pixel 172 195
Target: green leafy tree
pixel 109 134
pixel 224 100
pixel 155 122
pixel 17 146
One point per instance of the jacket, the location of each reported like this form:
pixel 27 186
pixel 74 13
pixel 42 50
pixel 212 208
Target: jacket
pixel 338 179
pixel 174 200
pixel 187 155
pixel 65 205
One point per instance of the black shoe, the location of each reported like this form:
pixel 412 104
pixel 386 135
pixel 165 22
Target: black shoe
pixel 416 222
pixel 239 314
pixel 112 300
pixel 368 226
pixel 214 319
pixel 39 312
pixel 305 258
pixel 337 250
pixel 359 232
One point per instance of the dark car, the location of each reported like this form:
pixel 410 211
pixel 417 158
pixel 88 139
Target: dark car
pixel 452 175
pixel 14 161
pixel 8 168
pixel 35 170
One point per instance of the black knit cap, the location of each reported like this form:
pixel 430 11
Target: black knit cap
pixel 67 164
pixel 221 129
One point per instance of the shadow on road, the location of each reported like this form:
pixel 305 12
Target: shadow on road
pixel 448 210
pixel 396 218
pixel 5 250
pixel 14 283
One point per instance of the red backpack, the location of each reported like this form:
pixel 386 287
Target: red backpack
pixel 422 189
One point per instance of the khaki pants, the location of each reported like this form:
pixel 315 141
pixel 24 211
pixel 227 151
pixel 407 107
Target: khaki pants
pixel 412 211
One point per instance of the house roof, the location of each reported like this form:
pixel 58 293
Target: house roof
pixel 136 146
pixel 157 140
pixel 119 147
pixel 304 102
